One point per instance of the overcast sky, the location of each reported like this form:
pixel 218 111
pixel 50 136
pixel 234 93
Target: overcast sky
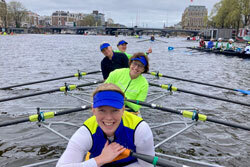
pixel 147 13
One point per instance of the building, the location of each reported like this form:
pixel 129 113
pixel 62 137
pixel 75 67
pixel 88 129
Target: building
pixel 44 21
pixel 32 20
pixel 178 26
pixel 61 18
pixel 99 17
pixel 194 17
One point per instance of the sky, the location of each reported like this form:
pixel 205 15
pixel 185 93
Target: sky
pixel 143 13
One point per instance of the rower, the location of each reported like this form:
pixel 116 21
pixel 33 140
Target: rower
pixel 131 81
pixel 230 45
pixel 210 44
pixel 108 133
pixel 202 43
pixel 247 48
pixel 219 44
pixel 122 47
pixel 152 38
pixel 112 60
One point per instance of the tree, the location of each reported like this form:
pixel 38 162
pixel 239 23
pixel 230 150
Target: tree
pixel 17 12
pixel 245 10
pixel 230 13
pixel 88 21
pixel 3 13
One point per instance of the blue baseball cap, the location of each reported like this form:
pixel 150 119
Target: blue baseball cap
pixel 104 45
pixel 108 98
pixel 121 42
pixel 142 59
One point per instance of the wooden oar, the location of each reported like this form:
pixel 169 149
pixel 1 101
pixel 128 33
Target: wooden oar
pixel 79 74
pixel 188 114
pixel 172 88
pixel 64 88
pixel 246 92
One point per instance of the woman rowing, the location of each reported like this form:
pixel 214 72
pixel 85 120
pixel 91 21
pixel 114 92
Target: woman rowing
pixel 219 44
pixel 210 44
pixel 106 134
pixel 247 48
pixel 130 80
pixel 122 47
pixel 202 43
pixel 230 45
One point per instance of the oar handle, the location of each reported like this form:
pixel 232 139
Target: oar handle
pixel 155 160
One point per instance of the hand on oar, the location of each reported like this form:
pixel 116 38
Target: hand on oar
pixel 246 92
pixel 79 75
pixel 190 114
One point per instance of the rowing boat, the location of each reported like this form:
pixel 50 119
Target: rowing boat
pixel 183 122
pixel 226 53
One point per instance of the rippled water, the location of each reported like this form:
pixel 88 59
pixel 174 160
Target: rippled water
pixel 25 58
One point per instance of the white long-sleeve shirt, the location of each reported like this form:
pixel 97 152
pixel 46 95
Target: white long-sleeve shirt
pixel 81 142
pixel 247 49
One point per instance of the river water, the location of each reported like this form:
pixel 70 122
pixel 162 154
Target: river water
pixel 25 58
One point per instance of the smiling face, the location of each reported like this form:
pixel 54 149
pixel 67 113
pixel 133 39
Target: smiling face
pixel 136 69
pixel 122 47
pixel 108 118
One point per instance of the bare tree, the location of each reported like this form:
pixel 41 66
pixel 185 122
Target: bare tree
pixel 3 13
pixel 17 12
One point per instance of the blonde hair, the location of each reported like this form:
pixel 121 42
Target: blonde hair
pixel 107 86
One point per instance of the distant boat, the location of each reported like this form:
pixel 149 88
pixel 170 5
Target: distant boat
pixel 224 52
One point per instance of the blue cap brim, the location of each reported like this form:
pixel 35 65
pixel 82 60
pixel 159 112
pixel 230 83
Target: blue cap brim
pixel 122 42
pixel 104 45
pixel 108 98
pixel 142 59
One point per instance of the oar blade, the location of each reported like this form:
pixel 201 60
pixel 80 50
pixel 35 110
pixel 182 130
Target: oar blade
pixel 170 48
pixel 246 92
